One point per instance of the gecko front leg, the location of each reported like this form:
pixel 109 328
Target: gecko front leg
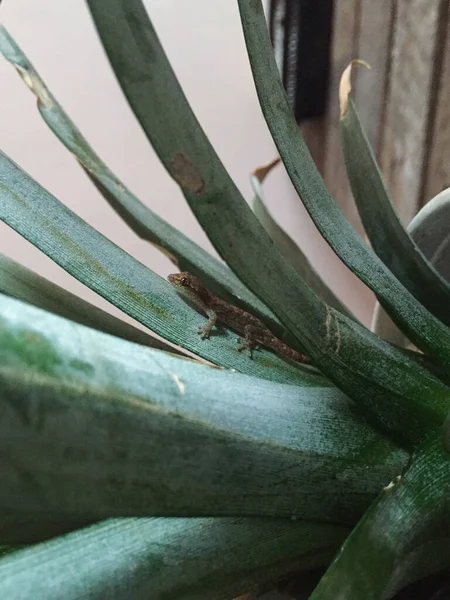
pixel 193 291
pixel 204 331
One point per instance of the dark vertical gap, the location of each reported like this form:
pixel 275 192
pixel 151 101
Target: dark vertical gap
pixel 292 34
pixel 357 29
pixel 274 9
pixel 277 24
pixel 306 50
pixel 271 20
pixel 436 66
pixel 314 58
pixel 387 82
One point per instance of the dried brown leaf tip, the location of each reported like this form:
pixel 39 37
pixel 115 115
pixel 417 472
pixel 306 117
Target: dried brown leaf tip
pixel 261 172
pixel 345 85
pixel 186 173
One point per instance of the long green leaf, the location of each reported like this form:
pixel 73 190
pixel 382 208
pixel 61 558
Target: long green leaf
pixel 425 330
pixel 403 537
pixel 430 231
pixel 122 280
pixel 94 426
pixel 19 282
pixel 288 247
pixel 400 396
pixel 144 222
pixel 388 237
pixel 187 559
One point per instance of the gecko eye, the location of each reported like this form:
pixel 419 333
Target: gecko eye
pixel 183 280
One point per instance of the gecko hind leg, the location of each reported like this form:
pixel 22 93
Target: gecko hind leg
pixel 248 342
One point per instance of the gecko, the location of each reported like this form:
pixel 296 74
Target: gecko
pixel 254 331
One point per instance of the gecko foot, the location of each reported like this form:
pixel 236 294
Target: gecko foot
pixel 204 331
pixel 245 344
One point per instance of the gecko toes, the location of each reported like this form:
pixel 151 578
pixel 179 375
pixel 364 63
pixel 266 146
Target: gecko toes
pixel 203 333
pixel 246 345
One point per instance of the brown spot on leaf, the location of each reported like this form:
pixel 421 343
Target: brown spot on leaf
pixel 186 173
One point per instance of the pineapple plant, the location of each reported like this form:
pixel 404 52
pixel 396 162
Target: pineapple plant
pixel 130 470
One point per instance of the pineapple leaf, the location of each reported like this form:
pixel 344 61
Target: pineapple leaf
pixel 286 245
pixel 185 253
pixel 389 239
pixel 122 280
pixel 404 536
pixel 430 230
pixel 187 559
pixel 425 330
pixel 401 397
pixel 95 427
pixel 19 282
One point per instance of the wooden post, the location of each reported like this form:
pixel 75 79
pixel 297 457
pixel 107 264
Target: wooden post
pixel 402 101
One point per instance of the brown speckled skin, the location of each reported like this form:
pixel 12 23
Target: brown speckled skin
pixel 254 331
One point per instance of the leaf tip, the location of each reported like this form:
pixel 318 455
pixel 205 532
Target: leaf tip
pixel 345 85
pixel 261 172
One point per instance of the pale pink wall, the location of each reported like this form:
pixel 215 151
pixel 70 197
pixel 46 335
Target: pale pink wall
pixel 204 42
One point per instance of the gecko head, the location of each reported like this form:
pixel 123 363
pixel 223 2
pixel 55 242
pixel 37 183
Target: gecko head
pixel 185 281
pixel 188 286
pixel 180 280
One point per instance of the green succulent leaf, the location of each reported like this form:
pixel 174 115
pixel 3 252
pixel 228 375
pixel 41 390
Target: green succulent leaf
pixel 187 559
pixel 19 282
pixel 402 397
pixel 425 330
pixel 389 239
pixel 119 278
pixel 185 253
pixel 93 426
pixel 403 537
pixel 286 245
pixel 430 230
